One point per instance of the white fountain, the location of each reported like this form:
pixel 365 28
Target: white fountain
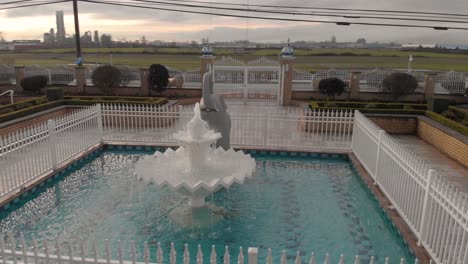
pixel 196 169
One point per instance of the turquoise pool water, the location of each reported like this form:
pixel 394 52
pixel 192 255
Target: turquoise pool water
pixel 292 203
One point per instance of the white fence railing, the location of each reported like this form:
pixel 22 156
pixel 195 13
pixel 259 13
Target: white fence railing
pixel 299 129
pixel 38 149
pixel 432 207
pixel 435 211
pixel 11 93
pixel 451 82
pixel 13 251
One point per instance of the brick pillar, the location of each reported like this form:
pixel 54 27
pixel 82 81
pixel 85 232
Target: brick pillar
pixel 206 63
pixel 429 90
pixel 144 86
pixel 19 76
pixel 287 69
pixel 354 88
pixel 80 76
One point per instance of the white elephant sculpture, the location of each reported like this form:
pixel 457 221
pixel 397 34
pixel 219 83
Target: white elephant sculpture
pixel 214 111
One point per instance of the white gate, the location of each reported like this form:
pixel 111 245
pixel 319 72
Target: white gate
pixel 256 80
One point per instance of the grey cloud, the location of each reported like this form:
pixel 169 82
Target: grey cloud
pixel 294 30
pixel 321 33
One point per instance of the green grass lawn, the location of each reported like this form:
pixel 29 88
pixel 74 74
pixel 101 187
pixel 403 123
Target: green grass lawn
pixel 189 58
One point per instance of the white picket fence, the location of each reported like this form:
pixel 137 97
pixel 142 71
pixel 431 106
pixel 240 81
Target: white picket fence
pixel 433 208
pixel 435 211
pixel 14 252
pixel 29 153
pixel 297 129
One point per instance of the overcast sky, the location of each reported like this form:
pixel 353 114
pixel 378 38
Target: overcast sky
pixel 132 23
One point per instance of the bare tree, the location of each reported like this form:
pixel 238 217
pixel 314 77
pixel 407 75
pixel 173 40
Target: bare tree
pixel 2 36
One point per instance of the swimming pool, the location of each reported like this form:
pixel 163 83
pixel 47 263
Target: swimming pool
pixel 293 203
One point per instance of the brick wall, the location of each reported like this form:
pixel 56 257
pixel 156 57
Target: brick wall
pixel 454 146
pixel 396 125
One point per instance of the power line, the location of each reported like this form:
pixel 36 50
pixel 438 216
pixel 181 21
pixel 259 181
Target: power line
pixel 14 2
pixel 36 4
pixel 301 13
pixel 331 8
pixel 342 23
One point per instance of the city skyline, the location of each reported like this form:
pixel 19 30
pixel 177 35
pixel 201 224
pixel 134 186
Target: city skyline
pixel 132 24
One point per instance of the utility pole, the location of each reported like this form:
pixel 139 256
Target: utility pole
pixel 79 59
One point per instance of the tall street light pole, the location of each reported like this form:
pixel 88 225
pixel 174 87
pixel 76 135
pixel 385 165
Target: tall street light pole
pixel 79 59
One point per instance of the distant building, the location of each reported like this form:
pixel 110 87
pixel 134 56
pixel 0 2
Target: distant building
pixel 86 39
pixel 49 38
pixel 415 46
pixel 106 40
pixel 25 44
pixel 96 37
pixel 60 28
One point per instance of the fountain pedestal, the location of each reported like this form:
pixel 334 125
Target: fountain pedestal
pixel 197 201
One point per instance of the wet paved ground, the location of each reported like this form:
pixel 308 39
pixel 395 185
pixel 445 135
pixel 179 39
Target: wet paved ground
pixel 437 160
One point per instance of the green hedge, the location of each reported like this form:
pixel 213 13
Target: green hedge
pixel 366 105
pixel 29 111
pixel 113 99
pixel 461 113
pixel 396 109
pixel 448 122
pixel 372 107
pixel 26 103
pixel 9 113
pixel 91 102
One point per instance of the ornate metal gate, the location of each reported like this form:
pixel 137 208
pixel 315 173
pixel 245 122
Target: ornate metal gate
pixel 256 80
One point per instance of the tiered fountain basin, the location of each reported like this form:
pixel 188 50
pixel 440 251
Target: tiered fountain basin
pixel 220 169
pixel 196 169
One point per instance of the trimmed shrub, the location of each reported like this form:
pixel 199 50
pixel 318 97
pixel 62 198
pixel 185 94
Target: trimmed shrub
pixel 371 106
pixel 459 127
pixel 34 83
pixel 465 121
pixel 159 77
pixel 6 110
pixel 22 105
pixel 449 114
pixel 28 111
pixel 105 77
pixel 331 86
pixel 407 107
pixel 399 84
pixel 41 101
pixel 330 105
pixel 54 94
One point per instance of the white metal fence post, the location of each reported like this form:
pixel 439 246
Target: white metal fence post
pixel 356 117
pixel 246 83
pixel 252 255
pixel 52 142
pixel 265 129
pixel 377 160
pixel 99 123
pixel 430 176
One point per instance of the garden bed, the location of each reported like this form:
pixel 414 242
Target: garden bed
pixel 25 108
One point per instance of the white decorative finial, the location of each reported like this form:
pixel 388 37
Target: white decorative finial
pixel 207 50
pixel 287 51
